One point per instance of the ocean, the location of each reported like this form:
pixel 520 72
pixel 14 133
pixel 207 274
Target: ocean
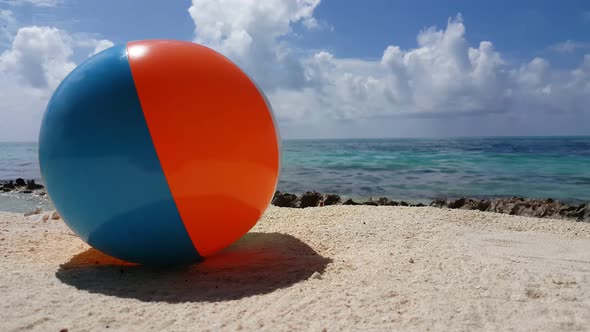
pixel 415 170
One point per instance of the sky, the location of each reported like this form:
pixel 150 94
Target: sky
pixel 333 68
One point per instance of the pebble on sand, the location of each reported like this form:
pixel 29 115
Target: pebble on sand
pixel 30 213
pixel 55 215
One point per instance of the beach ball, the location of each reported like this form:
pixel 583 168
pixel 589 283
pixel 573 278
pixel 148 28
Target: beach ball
pixel 159 152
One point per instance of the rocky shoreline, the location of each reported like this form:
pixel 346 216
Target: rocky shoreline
pixel 530 207
pixel 23 186
pixel 539 208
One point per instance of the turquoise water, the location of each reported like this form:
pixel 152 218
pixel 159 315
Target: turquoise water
pixel 408 169
pixel 424 169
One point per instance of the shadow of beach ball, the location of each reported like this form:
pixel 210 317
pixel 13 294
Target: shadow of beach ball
pixel 159 152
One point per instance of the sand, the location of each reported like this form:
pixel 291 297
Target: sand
pixel 358 268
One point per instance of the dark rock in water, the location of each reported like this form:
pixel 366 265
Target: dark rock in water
pixel 516 209
pixel 372 203
pixel 567 212
pixel 284 200
pixel 350 202
pixel 4 189
pixel 581 211
pixel 439 203
pixel 417 205
pixel 484 205
pixel 383 201
pixel 518 206
pixel 27 191
pixel 31 185
pixel 457 204
pixel 310 199
pixel 584 213
pixel 20 182
pixel 8 185
pixel 332 200
pixel 402 203
pixel 392 203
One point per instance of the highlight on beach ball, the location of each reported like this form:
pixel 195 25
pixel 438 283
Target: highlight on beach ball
pixel 159 152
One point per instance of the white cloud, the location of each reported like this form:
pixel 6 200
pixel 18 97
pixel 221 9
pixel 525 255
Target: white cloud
pixel 39 57
pixel 544 89
pixel 248 32
pixel 36 61
pixel 102 45
pixel 569 46
pixel 442 77
pixel 21 109
pixel 95 45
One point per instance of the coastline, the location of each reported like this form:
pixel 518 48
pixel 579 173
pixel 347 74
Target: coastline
pixel 21 191
pixel 530 207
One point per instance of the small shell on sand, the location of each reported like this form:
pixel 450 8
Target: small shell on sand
pixel 55 215
pixel 45 217
pixel 32 212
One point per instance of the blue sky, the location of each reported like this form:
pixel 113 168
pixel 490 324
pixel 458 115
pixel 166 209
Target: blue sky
pixel 519 29
pixel 334 68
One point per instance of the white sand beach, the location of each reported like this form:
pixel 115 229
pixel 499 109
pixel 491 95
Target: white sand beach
pixel 356 268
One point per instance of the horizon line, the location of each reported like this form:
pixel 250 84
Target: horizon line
pixel 398 137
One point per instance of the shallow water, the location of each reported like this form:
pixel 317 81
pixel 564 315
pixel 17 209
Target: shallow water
pixel 416 170
pixel 19 160
pixel 16 202
pixel 424 169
